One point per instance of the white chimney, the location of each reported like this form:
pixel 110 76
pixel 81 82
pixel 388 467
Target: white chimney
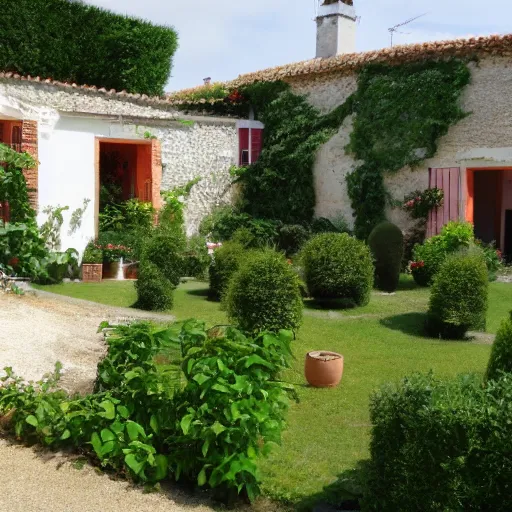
pixel 336 28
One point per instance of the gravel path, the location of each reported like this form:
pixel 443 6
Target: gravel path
pixel 35 332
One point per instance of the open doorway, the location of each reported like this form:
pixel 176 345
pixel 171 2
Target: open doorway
pixel 125 172
pixel 489 206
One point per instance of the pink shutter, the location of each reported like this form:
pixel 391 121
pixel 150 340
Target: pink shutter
pixel 243 146
pixel 448 180
pixel 257 143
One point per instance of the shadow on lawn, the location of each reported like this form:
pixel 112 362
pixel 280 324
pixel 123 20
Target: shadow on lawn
pixel 329 304
pixel 408 323
pixel 198 292
pixel 344 494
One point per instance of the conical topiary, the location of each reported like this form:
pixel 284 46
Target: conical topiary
pixel 386 242
pixel 501 355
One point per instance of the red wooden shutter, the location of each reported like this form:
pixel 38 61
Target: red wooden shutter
pixel 449 181
pixel 243 144
pixel 257 143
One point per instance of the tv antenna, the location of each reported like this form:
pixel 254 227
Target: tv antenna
pixel 394 29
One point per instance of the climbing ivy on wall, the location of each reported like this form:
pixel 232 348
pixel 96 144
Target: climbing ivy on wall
pixel 400 114
pixel 280 184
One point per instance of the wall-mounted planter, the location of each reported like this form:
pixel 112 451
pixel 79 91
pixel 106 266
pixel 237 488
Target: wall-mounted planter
pixel 92 272
pixel 324 369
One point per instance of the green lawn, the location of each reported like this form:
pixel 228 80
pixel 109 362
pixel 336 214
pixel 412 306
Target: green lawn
pixel 329 429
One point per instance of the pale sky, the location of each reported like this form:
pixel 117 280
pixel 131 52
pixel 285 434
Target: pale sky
pixel 222 38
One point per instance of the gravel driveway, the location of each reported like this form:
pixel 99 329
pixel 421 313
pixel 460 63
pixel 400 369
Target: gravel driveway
pixel 35 332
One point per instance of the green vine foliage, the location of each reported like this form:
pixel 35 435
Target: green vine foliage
pixel 400 114
pixel 280 184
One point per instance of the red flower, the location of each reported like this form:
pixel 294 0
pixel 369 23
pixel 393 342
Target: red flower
pixel 13 262
pixel 417 264
pixel 235 97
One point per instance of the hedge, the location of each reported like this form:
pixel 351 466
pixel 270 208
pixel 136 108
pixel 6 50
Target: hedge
pixel 440 445
pixel 75 42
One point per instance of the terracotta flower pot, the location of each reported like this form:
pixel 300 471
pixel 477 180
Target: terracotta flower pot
pixel 92 272
pixel 324 369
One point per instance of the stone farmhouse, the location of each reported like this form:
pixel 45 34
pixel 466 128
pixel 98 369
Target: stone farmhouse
pixel 72 129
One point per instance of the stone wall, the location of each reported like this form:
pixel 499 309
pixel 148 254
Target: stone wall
pixel 207 150
pixel 489 125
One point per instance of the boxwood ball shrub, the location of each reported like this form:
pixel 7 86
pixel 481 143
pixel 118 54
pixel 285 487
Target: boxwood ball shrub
pixel 459 297
pixel 338 266
pixel 165 249
pixel 501 355
pixel 386 242
pixel 225 263
pixel 154 291
pixel 264 294
pixel 441 445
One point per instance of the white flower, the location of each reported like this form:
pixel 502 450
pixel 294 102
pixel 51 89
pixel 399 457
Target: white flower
pixel 181 199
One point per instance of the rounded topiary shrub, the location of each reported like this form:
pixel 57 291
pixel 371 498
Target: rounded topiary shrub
pixel 501 355
pixel 459 297
pixel 196 258
pixel 165 249
pixel 386 242
pixel 264 294
pixel 154 291
pixel 292 237
pixel 225 263
pixel 338 266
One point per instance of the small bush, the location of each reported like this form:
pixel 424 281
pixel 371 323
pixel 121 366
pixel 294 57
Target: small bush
pixel 441 445
pixel 459 297
pixel 501 355
pixel 386 242
pixel 196 260
pixel 225 263
pixel 337 266
pixel 292 238
pixel 165 249
pixel 154 291
pixel 92 254
pixel 428 258
pixel 264 294
pixel 222 223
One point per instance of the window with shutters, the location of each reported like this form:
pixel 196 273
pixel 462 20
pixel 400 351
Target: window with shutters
pixel 250 142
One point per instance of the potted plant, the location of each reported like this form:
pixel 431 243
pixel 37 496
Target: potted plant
pixel 324 369
pixel 114 256
pixel 92 264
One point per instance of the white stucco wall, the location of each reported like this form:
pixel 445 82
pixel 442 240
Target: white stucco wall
pixel 475 141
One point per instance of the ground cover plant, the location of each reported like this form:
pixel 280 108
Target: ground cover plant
pixel 195 403
pixel 381 342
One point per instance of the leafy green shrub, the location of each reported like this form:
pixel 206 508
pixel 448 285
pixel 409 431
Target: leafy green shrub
pixel 459 296
pixel 292 237
pixel 323 225
pixel 337 266
pixel 154 291
pixel 89 45
pixel 59 265
pixel 428 258
pixel 129 216
pixel 226 261
pixel 165 249
pixel 493 259
pixel 143 423
pixel 501 355
pixel 264 294
pixel 92 254
pixel 232 408
pixel 386 242
pixel 196 258
pixel 441 445
pixel 222 223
